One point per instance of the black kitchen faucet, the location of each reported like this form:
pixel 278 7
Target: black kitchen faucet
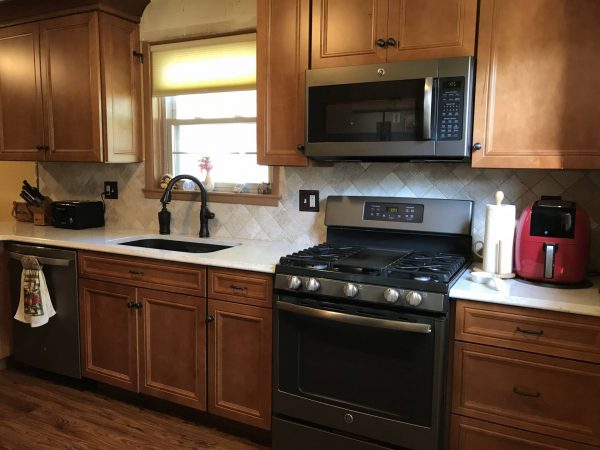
pixel 164 216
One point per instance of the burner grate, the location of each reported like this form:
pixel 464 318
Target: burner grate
pixel 319 257
pixel 424 266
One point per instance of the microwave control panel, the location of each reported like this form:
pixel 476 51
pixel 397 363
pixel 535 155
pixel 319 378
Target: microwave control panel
pixel 394 212
pixel 451 95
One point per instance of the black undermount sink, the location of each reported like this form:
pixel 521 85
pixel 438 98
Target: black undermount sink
pixel 176 246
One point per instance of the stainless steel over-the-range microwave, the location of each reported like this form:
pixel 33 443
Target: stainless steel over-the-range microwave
pixel 393 111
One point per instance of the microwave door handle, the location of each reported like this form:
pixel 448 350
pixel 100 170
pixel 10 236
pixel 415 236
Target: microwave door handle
pixel 427 110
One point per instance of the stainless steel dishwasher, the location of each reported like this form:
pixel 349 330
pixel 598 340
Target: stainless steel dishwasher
pixel 55 346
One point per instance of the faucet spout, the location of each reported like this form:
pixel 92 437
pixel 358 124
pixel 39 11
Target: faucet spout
pixel 205 213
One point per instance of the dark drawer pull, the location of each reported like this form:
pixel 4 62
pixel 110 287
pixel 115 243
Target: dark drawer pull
pixel 131 304
pixel 526 393
pixel 136 272
pixel 526 331
pixel 238 288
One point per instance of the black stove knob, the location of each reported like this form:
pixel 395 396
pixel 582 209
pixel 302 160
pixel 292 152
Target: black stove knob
pixel 294 282
pixel 350 290
pixel 414 298
pixel 312 285
pixel 391 295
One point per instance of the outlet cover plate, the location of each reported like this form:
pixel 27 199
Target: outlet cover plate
pixel 111 190
pixel 309 201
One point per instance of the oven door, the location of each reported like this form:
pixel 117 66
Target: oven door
pixel 362 371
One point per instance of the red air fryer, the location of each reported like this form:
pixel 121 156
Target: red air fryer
pixel 553 242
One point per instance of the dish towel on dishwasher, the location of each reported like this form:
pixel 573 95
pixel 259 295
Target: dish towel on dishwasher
pixel 35 305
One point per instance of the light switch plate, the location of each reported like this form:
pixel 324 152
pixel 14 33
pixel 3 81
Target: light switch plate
pixel 111 190
pixel 309 201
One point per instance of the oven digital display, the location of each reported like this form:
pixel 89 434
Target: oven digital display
pixel 394 212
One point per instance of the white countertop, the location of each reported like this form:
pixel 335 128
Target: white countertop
pixel 259 256
pixel 521 293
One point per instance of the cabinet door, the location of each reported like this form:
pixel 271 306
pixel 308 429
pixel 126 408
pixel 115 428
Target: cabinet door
pixel 345 32
pixel 121 94
pixel 239 355
pixel 282 60
pixel 109 333
pixel 431 28
pixel 536 99
pixel 21 118
pixel 71 87
pixel 173 347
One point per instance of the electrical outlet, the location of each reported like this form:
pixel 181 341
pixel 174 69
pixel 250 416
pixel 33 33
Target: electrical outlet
pixel 111 190
pixel 309 201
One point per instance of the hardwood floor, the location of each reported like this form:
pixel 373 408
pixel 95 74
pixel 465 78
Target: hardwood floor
pixel 40 414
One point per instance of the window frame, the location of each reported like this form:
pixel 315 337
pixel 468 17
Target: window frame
pixel 155 143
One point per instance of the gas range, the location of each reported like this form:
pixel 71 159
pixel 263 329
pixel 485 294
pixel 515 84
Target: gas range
pixel 370 303
pixel 394 252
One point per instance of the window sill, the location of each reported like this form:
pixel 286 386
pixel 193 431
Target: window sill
pixel 218 197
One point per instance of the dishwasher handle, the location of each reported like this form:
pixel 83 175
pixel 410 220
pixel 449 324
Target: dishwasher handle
pixel 42 259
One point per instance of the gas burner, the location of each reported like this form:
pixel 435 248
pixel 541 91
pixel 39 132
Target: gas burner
pixel 316 266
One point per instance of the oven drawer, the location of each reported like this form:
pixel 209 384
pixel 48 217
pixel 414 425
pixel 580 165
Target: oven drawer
pixel 142 272
pixel 544 332
pixel 541 394
pixel 250 288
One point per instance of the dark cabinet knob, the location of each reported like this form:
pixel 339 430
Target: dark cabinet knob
pixel 477 146
pixel 131 304
pixel 138 305
pixel 391 42
pixel 380 43
pixel 210 318
pixel 40 148
pixel 300 148
pixel 139 56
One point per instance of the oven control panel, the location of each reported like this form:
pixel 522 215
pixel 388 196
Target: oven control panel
pixel 394 212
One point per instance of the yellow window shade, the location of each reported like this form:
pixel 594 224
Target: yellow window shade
pixel 225 63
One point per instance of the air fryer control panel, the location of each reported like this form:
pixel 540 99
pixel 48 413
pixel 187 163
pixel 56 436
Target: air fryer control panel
pixel 451 96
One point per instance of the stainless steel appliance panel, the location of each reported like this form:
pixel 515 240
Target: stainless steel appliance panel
pixel 55 346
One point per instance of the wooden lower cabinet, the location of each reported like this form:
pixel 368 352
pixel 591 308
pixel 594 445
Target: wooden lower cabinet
pixel 472 434
pixel 524 379
pixel 239 360
pixel 173 347
pixel 144 341
pixel 109 333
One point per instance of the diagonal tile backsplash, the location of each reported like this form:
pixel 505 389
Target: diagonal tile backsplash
pixel 84 181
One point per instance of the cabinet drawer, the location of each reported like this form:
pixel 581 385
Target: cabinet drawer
pixel 546 332
pixel 552 396
pixel 150 273
pixel 250 288
pixel 472 434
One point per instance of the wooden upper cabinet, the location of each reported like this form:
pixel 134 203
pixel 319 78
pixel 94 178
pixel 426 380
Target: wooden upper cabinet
pixel 282 36
pixel 122 90
pixel 21 119
pixel 71 87
pixel 74 94
pixel 537 89
pixel 353 32
pixel 345 32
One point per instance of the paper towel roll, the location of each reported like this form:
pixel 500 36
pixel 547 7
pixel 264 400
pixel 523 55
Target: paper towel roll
pixel 499 237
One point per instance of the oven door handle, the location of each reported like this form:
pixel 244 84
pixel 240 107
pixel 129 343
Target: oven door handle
pixel 410 327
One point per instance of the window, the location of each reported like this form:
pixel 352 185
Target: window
pixel 204 108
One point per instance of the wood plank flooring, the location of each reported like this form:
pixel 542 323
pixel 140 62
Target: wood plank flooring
pixel 39 414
